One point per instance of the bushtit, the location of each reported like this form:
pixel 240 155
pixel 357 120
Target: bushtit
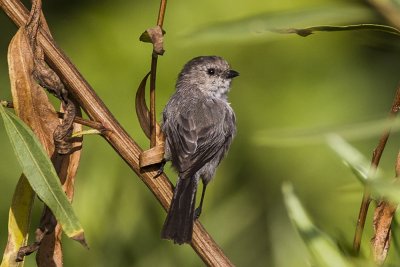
pixel 199 126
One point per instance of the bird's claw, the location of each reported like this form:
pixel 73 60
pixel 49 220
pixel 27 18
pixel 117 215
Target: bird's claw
pixel 160 170
pixel 197 213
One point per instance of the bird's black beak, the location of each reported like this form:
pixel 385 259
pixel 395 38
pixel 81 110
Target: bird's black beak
pixel 232 74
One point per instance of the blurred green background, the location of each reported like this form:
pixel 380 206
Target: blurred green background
pixel 324 81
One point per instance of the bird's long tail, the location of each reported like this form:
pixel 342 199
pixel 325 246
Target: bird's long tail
pixel 178 225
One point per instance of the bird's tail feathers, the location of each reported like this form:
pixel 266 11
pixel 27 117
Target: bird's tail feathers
pixel 178 225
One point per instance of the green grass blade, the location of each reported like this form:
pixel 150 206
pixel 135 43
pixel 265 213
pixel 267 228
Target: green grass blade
pixel 352 158
pixel 322 249
pixel 41 174
pixel 378 185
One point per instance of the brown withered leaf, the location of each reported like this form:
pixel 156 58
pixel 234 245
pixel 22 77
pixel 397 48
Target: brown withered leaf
pixel 152 156
pixel 30 101
pixel 155 36
pixel 142 111
pixel 48 79
pixel 156 154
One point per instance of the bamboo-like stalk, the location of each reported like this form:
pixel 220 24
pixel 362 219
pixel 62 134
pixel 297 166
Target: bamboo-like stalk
pixel 116 136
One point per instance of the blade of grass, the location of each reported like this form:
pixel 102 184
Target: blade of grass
pixel 321 247
pixel 352 158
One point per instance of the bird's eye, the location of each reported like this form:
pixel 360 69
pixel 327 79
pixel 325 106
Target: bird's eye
pixel 211 71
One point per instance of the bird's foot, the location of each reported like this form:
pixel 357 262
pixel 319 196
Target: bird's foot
pixel 197 213
pixel 161 169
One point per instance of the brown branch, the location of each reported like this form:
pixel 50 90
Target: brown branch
pixel 161 13
pixel 92 124
pixel 376 157
pixel 117 137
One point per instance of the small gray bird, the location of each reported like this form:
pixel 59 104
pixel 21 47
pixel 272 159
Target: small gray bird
pixel 199 126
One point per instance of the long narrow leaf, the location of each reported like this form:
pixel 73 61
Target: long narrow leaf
pixel 321 247
pixel 351 157
pixel 379 186
pixel 40 173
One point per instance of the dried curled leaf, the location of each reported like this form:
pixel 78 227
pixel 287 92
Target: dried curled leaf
pixel 63 132
pixel 156 154
pixel 30 101
pixel 142 111
pixel 151 156
pixel 49 80
pixel 155 36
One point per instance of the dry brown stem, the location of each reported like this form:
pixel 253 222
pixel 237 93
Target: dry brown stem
pixel 117 137
pixel 385 210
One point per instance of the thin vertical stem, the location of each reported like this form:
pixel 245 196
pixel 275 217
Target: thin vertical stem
pixel 153 119
pixel 376 157
pixel 161 13
pixel 154 58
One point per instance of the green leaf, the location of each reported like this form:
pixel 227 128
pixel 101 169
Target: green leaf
pixel 41 174
pixel 352 158
pixel 262 26
pixel 379 186
pixel 321 247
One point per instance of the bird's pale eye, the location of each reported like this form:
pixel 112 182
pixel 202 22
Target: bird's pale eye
pixel 211 71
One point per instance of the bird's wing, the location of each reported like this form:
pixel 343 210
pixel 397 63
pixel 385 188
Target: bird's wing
pixel 196 135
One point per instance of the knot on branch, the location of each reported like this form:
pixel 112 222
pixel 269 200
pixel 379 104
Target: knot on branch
pixel 155 36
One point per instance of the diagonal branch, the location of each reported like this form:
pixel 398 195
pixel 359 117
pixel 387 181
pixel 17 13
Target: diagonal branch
pixel 115 135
